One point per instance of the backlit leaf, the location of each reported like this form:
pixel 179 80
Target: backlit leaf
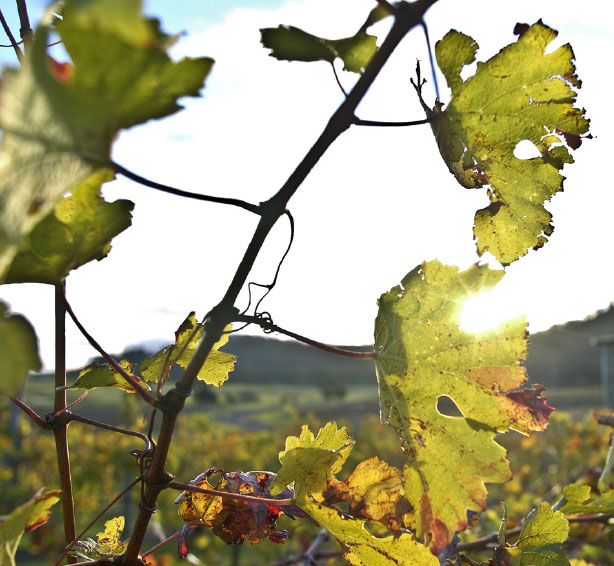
pixel 231 520
pixel 18 351
pixel 58 127
pixel 422 355
pixel 540 540
pixel 24 518
pixel 108 543
pixel 187 338
pixel 289 43
pixel 376 493
pixel 104 375
pixel 311 459
pixel 77 231
pixel 521 93
pixel 578 500
pixel 309 473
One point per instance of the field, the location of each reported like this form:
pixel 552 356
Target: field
pixel 244 429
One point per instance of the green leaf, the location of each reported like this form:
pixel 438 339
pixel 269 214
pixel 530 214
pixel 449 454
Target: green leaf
pixel 578 500
pixel 187 338
pixel 310 459
pixel 542 535
pixel 78 231
pixel 104 375
pixel 289 43
pixel 18 351
pixel 521 93
pixel 24 518
pixel 422 355
pixel 59 123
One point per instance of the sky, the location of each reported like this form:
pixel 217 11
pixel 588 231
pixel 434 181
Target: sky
pixel 379 203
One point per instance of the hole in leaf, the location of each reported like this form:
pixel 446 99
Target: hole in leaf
pixel 469 70
pixel 526 149
pixel 446 406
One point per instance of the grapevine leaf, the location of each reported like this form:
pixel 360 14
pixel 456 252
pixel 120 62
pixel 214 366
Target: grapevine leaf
pixel 578 500
pixel 540 541
pixel 187 338
pixel 375 491
pixel 24 518
pixel 367 550
pixel 231 520
pixel 289 43
pixel 77 231
pixel 521 93
pixel 363 549
pixel 422 355
pixel 59 122
pixel 18 351
pixel 107 545
pixel 104 375
pixel 312 459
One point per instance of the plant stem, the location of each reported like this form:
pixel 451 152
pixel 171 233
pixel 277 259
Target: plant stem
pixel 268 326
pixel 73 417
pixel 25 31
pixel 407 16
pixel 61 431
pixel 227 495
pixel 359 122
pixel 32 415
pixel 11 37
pixel 139 390
pixel 179 192
pixel 161 544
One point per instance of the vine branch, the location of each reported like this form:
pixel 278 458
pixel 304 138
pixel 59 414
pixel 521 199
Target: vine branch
pixel 60 432
pixel 268 326
pixel 31 413
pixel 11 37
pixel 146 396
pixel 181 193
pixel 359 122
pixel 226 495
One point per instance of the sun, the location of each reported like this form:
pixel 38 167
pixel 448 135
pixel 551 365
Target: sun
pixel 485 312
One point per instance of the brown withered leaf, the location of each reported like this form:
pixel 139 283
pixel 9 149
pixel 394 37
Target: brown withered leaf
pixel 231 520
pixel 375 491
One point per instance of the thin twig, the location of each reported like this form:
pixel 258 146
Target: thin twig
pixel 75 402
pixel 268 326
pixel 11 37
pixel 431 60
pixel 73 417
pixel 332 64
pixel 95 519
pixel 601 419
pixel 226 495
pixel 187 194
pixel 161 544
pixel 146 396
pixel 309 556
pixel 32 414
pixel 359 122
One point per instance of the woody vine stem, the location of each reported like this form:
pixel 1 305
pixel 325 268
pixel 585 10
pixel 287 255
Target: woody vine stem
pixel 406 17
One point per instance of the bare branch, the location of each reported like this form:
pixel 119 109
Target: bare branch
pixel 187 194
pixel 226 495
pixel 34 417
pixel 268 326
pixel 11 37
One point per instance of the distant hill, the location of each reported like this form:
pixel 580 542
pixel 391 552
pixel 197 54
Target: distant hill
pixel 559 356
pixel 563 354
